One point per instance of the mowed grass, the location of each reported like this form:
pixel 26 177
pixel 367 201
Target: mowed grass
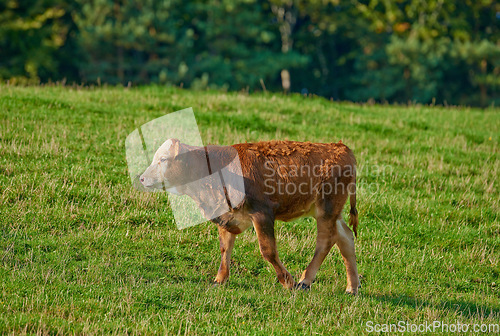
pixel 82 252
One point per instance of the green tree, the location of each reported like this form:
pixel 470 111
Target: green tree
pixel 443 50
pixel 395 51
pixel 229 44
pixel 34 40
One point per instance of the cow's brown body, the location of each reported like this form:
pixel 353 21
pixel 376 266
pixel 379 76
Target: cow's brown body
pixel 285 180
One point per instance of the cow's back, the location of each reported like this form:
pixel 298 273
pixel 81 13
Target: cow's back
pixel 291 176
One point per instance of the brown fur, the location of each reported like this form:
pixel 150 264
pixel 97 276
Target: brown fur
pixel 285 154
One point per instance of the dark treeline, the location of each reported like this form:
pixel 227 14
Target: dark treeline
pixel 442 51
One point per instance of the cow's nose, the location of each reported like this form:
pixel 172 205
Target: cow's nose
pixel 142 179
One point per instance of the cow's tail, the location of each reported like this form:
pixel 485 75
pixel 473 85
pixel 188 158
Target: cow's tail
pixel 353 214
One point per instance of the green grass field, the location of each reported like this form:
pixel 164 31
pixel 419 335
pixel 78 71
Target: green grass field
pixel 82 252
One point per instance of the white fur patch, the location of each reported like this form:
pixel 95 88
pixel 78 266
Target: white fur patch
pixel 154 173
pixel 174 191
pixel 163 150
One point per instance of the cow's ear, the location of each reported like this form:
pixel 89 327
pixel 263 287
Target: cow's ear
pixel 175 149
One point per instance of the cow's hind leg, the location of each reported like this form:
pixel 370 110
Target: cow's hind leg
pixel 345 242
pixel 226 240
pixel 324 243
pixel 332 230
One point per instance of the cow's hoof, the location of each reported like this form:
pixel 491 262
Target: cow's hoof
pixel 303 286
pixel 351 292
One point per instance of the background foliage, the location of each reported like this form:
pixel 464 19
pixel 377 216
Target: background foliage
pixel 439 51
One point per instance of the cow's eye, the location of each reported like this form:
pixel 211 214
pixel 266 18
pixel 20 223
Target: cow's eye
pixel 163 159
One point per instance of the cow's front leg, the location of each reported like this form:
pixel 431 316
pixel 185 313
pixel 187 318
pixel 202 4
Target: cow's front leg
pixel 226 240
pixel 264 227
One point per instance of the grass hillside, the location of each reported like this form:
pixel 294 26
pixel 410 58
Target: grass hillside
pixel 82 252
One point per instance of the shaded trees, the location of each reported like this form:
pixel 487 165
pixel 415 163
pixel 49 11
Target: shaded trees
pixel 396 51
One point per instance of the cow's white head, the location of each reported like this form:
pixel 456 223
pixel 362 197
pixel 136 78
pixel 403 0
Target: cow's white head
pixel 164 168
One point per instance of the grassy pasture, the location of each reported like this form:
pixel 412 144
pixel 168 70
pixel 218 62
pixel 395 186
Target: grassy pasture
pixel 82 252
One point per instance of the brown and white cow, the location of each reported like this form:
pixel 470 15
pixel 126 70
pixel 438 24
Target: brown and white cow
pixel 283 180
